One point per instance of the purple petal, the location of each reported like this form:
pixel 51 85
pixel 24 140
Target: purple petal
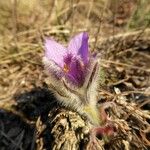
pixel 68 59
pixel 55 52
pixel 76 72
pixel 79 46
pixel 53 68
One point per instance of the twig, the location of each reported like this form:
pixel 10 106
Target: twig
pixel 123 64
pixel 9 139
pixel 88 14
pixel 99 28
pixel 14 20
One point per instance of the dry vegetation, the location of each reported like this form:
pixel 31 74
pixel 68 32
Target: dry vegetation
pixel 24 24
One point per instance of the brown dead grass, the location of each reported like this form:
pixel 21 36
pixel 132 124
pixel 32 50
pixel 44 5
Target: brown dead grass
pixel 24 24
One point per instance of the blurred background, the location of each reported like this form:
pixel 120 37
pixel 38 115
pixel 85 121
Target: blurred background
pixel 24 24
pixel 118 29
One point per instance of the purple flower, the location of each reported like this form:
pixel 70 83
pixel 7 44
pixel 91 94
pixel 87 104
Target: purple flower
pixel 70 62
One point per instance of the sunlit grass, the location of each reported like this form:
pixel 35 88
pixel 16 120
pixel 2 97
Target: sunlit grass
pixel 24 23
pixel 141 16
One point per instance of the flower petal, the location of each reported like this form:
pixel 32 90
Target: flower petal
pixel 76 72
pixel 79 46
pixel 55 52
pixel 52 68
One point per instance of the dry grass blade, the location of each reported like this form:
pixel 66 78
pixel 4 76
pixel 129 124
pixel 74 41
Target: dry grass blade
pixel 23 26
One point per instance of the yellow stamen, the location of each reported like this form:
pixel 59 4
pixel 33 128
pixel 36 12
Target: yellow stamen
pixel 66 68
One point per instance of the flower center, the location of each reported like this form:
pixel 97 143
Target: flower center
pixel 66 68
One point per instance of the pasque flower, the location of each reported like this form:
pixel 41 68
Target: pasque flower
pixel 70 62
pixel 75 65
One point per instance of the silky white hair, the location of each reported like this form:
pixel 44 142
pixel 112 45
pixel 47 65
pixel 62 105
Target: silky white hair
pixel 72 96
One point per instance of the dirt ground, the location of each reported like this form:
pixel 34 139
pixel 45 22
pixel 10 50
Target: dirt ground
pixel 118 30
